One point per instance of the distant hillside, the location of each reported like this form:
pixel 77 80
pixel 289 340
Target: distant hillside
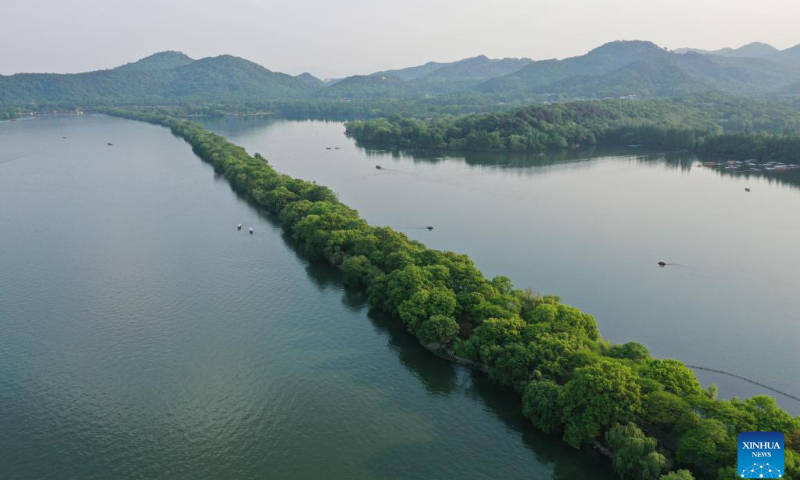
pixel 643 69
pixel 158 61
pixel 411 73
pixel 641 78
pixel 309 79
pixel 469 69
pixel 476 68
pixel 790 56
pixel 616 69
pixel 366 86
pixel 542 77
pixel 161 79
pixel 751 50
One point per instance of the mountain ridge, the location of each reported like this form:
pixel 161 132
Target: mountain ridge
pixel 624 68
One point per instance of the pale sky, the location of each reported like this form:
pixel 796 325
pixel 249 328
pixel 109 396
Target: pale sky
pixel 344 37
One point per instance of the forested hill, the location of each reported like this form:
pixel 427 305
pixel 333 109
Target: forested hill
pixel 617 69
pixel 165 78
pixel 768 130
pixel 790 56
pixel 642 69
pixel 158 61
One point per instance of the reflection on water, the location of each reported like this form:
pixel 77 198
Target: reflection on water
pixel 528 162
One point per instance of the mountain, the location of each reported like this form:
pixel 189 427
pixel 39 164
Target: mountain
pixel 161 79
pixel 644 69
pixel 309 79
pixel 411 73
pixel 158 61
pixel 421 81
pixel 640 78
pixel 616 69
pixel 469 69
pixel 232 78
pixel 751 50
pixel 367 86
pixel 790 56
pixel 476 68
pixel 744 76
pixel 538 77
pixel 464 74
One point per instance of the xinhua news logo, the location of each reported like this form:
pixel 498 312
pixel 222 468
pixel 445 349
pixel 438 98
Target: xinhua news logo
pixel 760 455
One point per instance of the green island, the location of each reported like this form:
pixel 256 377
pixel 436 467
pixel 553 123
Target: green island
pixel 650 416
pixel 715 124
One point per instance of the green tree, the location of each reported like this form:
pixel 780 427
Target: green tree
pixel 425 303
pixel 635 454
pixel 679 475
pixel 541 403
pixel 439 328
pixel 597 396
pixel 673 375
pixel 707 446
pixel 631 351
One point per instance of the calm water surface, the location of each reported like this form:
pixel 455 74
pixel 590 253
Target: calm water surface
pixel 144 337
pixel 590 226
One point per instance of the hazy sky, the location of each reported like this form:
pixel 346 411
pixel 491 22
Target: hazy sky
pixel 361 36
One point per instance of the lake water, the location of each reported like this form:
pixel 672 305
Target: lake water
pixel 591 226
pixel 144 337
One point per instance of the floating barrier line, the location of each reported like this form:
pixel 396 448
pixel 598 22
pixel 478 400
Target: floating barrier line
pixel 722 372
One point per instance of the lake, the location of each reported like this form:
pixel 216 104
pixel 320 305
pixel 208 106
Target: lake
pixel 143 336
pixel 590 226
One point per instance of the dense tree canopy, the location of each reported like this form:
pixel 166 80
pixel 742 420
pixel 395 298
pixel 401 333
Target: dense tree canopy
pixel 710 124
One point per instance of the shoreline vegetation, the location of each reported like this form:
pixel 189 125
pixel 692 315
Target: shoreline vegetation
pixel 649 415
pixel 741 129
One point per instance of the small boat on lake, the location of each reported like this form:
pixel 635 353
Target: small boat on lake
pixel 251 230
pixel 430 227
pixel 662 263
pixel 239 227
pixel 746 189
pixel 378 167
pixel 109 144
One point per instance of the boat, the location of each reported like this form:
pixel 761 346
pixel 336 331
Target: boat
pixel 662 263
pixel 430 227
pixel 746 189
pixel 239 227
pixel 378 167
pixel 109 144
pixel 251 230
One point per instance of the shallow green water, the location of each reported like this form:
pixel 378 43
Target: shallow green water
pixel 144 337
pixel 591 226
